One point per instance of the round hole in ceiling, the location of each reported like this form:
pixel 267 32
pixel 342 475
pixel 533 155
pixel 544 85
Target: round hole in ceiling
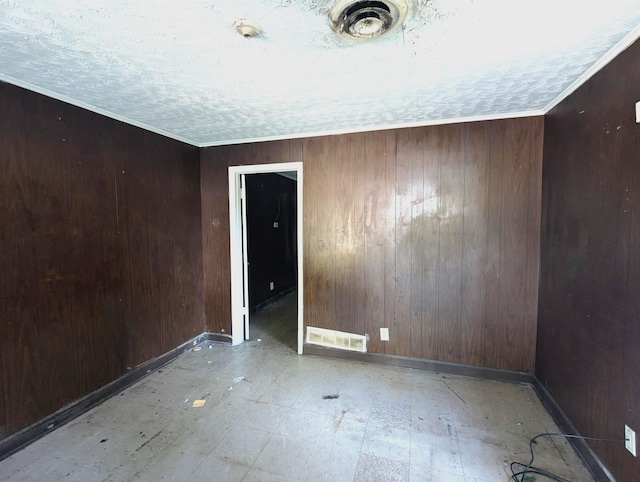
pixel 361 20
pixel 247 28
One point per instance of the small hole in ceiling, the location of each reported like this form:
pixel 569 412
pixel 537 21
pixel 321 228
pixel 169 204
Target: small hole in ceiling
pixel 247 28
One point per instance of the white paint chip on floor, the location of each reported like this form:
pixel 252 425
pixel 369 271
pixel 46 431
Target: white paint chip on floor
pixel 386 424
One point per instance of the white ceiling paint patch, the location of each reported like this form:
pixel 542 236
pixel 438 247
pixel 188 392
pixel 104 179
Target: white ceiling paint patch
pixel 181 68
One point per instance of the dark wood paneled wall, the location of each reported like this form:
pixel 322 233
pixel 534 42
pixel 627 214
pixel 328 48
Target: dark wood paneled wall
pixel 100 252
pixel 4 430
pixel 432 232
pixel 588 353
pixel 215 238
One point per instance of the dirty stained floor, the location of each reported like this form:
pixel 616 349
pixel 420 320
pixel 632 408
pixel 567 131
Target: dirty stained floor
pixel 272 415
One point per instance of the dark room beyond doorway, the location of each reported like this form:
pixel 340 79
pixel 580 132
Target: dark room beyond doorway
pixel 271 237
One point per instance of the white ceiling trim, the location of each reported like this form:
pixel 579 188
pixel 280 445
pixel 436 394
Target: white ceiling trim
pixel 616 50
pixel 338 132
pixel 334 132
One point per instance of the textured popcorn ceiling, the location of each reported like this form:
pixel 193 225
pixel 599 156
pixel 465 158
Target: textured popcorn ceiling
pixel 178 67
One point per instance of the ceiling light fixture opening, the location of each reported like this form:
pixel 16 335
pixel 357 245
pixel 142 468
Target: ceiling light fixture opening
pixel 361 20
pixel 247 28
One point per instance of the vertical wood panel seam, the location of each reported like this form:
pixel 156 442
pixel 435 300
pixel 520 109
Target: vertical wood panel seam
pixel 533 154
pixel 121 247
pixel 439 330
pixel 527 289
pixel 464 154
pixel 115 183
pixel 129 302
pixel 423 234
pixel 501 310
pixel 412 281
pixel 491 133
pixel 423 320
pixel 365 240
pixel 395 236
pixel 630 223
pixel 409 290
pixel 337 224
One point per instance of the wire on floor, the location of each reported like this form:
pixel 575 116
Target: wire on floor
pixel 530 469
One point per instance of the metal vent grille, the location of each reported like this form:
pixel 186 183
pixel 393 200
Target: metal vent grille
pixel 367 19
pixel 336 339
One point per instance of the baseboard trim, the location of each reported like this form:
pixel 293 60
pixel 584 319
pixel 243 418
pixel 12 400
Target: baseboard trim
pixel 217 337
pixel 28 435
pixel 588 456
pixel 421 364
pixel 273 299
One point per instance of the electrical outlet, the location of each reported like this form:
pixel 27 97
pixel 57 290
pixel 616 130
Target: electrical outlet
pixel 630 440
pixel 275 225
pixel 271 286
pixel 638 112
pixel 384 334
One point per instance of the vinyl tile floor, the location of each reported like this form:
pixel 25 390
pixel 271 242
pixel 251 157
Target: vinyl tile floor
pixel 272 415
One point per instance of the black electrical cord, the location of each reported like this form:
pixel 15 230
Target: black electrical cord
pixel 537 471
pixel 530 469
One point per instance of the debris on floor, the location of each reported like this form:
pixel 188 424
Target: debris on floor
pixel 418 427
pixel 197 348
pixel 198 403
pixel 237 380
pixel 338 420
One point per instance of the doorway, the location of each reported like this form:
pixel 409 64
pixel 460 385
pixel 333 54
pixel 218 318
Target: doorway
pixel 240 308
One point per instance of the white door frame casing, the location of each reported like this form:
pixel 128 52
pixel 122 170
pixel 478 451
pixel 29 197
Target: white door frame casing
pixel 235 238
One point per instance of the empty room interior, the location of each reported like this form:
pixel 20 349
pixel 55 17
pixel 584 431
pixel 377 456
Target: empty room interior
pixel 319 240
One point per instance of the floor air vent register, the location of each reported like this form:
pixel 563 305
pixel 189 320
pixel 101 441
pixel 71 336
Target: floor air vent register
pixel 336 339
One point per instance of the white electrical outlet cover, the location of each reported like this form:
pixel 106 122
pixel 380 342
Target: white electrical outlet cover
pixel 638 112
pixel 630 440
pixel 384 334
